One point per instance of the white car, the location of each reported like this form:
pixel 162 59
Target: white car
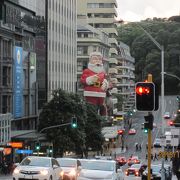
pixel 70 166
pixel 35 167
pixel 99 169
pixel 167 115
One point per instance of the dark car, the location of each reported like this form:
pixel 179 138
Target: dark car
pixel 121 160
pixel 156 172
pixel 135 169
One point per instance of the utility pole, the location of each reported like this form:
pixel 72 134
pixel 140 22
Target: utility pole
pixel 149 136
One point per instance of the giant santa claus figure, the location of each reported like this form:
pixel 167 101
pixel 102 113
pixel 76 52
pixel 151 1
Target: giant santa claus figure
pixel 95 84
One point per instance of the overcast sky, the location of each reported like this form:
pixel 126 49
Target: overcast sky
pixel 136 10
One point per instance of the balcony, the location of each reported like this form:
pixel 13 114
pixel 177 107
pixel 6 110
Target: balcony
pixel 113 61
pixel 113 41
pixel 113 71
pixel 111 30
pixel 113 51
pixel 114 91
pixel 113 80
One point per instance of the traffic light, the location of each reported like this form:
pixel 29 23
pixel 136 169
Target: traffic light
pixel 50 149
pixel 37 146
pixel 148 124
pixel 74 122
pixel 178 98
pixel 145 96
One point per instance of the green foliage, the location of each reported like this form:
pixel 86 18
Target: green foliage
pixel 60 110
pixel 148 56
pixel 120 101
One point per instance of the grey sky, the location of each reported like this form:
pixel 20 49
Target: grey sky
pixel 135 10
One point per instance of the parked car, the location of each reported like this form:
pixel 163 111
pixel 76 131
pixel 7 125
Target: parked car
pixel 70 168
pixel 135 170
pixel 99 169
pixel 35 167
pixel 121 160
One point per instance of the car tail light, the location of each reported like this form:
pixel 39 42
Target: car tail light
pixel 137 173
pixel 126 172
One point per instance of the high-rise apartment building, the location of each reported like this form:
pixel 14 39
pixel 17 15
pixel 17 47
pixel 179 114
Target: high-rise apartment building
pixel 61 71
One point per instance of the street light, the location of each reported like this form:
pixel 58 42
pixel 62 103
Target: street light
pixel 172 75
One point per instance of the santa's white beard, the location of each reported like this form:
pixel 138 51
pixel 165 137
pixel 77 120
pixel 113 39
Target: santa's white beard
pixel 95 68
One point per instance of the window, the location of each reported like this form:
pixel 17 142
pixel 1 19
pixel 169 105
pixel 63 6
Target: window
pixel 82 50
pixel 6 103
pixel 6 48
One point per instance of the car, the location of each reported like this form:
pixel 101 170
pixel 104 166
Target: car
pixel 36 167
pixel 132 132
pixel 133 160
pixel 99 169
pixel 70 168
pixel 121 160
pixel 167 115
pixel 157 142
pixel 156 172
pixel 135 169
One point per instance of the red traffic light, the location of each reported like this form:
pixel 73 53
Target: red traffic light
pixel 142 90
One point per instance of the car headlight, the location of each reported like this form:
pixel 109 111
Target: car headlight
pixel 62 173
pixel 16 171
pixel 72 172
pixel 44 172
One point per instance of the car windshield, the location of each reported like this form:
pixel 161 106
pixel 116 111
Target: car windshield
pixel 98 165
pixel 42 162
pixel 136 166
pixel 67 162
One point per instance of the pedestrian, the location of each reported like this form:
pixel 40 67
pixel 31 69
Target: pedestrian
pixel 166 158
pixel 146 156
pixel 136 146
pixel 151 156
pixel 122 147
pixel 176 163
pixel 155 157
pixel 140 147
pixel 126 147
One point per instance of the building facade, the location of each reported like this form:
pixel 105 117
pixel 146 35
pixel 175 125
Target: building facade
pixel 125 76
pixel 62 45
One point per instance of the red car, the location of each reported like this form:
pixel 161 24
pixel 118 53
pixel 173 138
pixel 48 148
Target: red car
pixel 133 160
pixel 121 160
pixel 132 132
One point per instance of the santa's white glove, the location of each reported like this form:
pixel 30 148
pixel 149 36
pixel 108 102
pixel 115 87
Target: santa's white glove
pixel 92 79
pixel 105 85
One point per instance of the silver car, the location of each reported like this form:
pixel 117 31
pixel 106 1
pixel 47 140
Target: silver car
pixel 99 169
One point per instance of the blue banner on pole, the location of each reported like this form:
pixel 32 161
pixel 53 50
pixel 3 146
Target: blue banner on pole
pixel 18 82
pixel 24 151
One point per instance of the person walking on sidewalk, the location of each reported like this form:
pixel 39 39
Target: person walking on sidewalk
pixel 155 157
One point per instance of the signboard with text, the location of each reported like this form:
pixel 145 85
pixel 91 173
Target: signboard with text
pixel 18 82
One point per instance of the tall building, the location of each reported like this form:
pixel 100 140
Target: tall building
pixel 125 76
pixel 62 64
pixel 101 14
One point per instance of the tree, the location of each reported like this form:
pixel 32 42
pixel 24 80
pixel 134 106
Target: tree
pixel 60 110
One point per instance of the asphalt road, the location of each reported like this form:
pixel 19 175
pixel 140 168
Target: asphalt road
pixel 141 137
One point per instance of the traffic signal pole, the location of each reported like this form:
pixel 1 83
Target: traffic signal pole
pixel 149 140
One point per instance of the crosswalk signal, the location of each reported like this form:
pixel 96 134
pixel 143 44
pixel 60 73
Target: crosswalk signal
pixel 145 96
pixel 74 122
